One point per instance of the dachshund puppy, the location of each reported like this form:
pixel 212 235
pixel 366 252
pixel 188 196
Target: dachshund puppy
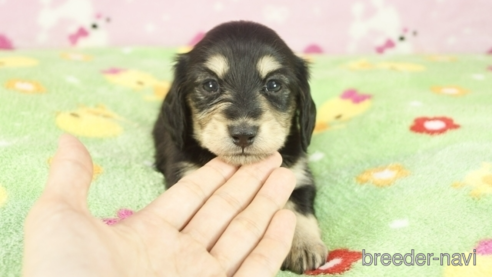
pixel 241 94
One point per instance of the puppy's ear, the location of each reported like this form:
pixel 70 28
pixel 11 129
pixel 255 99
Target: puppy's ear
pixel 306 107
pixel 174 107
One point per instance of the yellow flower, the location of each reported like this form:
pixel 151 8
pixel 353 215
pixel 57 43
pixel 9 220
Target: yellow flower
pixel 72 56
pixel 360 65
pixel 17 62
pixel 479 180
pixel 449 90
pixel 3 196
pixel 481 268
pixel 398 66
pixel 441 58
pixel 383 176
pixel 25 86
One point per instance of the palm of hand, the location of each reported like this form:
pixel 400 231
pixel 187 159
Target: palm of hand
pixel 216 228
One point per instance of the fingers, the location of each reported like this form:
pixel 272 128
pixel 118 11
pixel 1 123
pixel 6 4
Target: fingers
pixel 212 219
pixel 246 229
pixel 267 257
pixel 178 204
pixel 70 173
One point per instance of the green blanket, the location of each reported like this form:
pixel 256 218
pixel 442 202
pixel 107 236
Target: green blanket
pixel 402 153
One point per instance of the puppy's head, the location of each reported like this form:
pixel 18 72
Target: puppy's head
pixel 242 92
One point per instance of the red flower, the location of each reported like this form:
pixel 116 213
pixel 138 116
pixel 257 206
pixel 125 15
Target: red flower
pixel 433 125
pixel 338 261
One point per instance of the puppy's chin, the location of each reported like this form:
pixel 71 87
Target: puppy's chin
pixel 242 159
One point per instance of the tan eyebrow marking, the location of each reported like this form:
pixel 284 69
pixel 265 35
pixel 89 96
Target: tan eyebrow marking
pixel 218 64
pixel 266 65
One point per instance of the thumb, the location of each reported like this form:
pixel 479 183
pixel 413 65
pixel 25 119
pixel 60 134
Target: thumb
pixel 70 173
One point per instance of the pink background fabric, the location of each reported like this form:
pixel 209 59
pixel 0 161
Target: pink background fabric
pixel 333 27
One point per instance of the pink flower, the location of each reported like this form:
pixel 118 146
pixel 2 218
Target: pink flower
pixel 484 247
pixel 120 215
pixel 113 71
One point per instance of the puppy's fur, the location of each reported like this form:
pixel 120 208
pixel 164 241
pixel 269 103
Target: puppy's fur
pixel 242 94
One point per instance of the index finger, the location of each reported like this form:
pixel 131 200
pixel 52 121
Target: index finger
pixel 180 202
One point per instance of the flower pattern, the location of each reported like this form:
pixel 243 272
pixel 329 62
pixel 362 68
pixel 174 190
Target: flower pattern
pixel 479 180
pixel 450 90
pixel 73 56
pixel 338 261
pixel 383 176
pixel 352 114
pixel 360 65
pixel 433 125
pixel 396 66
pixel 484 247
pixel 25 86
pixel 441 58
pixel 482 266
pixel 122 214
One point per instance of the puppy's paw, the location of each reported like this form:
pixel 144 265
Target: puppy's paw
pixel 307 253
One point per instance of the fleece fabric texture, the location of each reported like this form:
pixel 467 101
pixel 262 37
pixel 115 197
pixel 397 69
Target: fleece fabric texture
pixel 402 151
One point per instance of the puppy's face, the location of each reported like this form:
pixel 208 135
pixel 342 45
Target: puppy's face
pixel 241 89
pixel 242 105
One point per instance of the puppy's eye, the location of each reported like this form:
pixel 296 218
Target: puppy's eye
pixel 211 86
pixel 273 86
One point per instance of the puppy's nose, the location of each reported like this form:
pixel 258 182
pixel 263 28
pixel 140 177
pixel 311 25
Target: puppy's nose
pixel 243 135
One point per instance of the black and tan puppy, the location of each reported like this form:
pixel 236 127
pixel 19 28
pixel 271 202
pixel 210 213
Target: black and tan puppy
pixel 242 94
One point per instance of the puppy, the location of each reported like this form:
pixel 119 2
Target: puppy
pixel 241 94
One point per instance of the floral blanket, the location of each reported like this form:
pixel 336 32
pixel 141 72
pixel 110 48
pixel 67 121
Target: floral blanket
pixel 402 153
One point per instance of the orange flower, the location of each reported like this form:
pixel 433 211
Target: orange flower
pixel 383 176
pixel 25 86
pixel 449 90
pixel 72 56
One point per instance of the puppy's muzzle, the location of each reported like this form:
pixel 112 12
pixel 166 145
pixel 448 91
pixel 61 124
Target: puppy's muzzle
pixel 243 135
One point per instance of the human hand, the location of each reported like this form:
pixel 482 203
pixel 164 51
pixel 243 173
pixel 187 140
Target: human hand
pixel 218 221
